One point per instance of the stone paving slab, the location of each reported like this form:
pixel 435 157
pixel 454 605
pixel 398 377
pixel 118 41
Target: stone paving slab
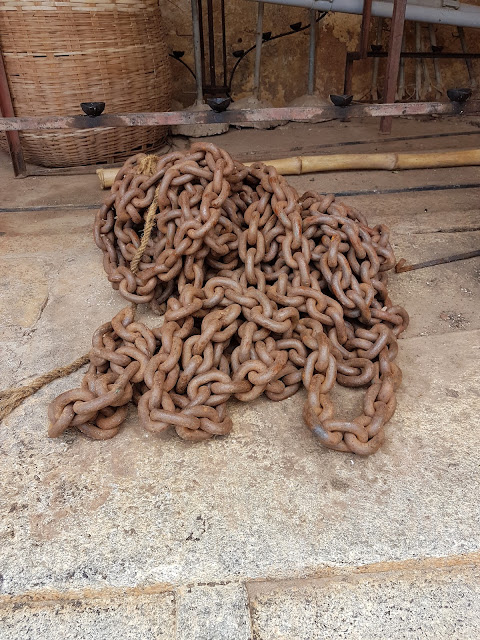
pixel 442 604
pixel 340 182
pixel 432 214
pixel 443 298
pixel 267 501
pixel 309 139
pixel 218 612
pixel 24 294
pixel 48 233
pixel 149 617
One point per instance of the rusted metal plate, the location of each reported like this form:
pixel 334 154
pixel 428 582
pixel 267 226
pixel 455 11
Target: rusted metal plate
pixel 232 117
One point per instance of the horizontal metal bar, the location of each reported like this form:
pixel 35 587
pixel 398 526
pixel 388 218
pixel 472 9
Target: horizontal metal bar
pixel 402 266
pixel 421 188
pixel 356 55
pixel 76 170
pixel 160 118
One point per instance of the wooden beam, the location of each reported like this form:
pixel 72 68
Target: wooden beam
pixel 393 61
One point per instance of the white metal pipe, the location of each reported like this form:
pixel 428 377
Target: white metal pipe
pixel 465 15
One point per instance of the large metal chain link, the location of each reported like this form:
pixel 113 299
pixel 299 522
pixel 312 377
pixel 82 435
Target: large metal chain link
pixel 262 291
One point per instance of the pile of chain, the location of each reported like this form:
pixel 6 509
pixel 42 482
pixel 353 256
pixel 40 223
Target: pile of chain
pixel 264 291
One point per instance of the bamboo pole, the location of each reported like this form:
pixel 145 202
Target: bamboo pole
pixel 353 161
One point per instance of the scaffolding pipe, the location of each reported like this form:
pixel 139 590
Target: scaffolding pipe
pixel 469 63
pixel 401 73
pixel 376 61
pixel 258 52
pixel 438 75
pixel 197 51
pixel 418 64
pixel 311 52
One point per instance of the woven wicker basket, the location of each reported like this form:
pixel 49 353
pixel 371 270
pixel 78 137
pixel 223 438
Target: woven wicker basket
pixel 59 54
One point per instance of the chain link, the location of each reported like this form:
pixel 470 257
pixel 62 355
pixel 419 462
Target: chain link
pixel 262 291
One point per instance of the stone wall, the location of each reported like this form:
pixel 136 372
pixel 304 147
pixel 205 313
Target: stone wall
pixel 284 61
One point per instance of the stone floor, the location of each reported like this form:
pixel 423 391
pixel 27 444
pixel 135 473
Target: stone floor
pixel 264 534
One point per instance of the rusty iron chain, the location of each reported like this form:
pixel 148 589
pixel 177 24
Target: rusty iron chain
pixel 262 291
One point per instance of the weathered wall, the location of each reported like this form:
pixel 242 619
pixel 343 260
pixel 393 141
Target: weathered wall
pixel 284 61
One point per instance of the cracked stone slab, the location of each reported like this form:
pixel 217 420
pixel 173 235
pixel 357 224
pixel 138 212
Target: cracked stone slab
pixel 441 604
pixel 46 233
pixel 431 220
pixel 24 294
pixel 385 199
pixel 54 292
pixel 268 500
pixel 443 298
pixel 149 617
pixel 213 613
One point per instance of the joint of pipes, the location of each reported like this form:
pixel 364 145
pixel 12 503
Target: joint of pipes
pixel 451 4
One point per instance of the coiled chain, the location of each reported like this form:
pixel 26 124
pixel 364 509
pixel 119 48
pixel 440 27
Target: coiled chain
pixel 262 291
